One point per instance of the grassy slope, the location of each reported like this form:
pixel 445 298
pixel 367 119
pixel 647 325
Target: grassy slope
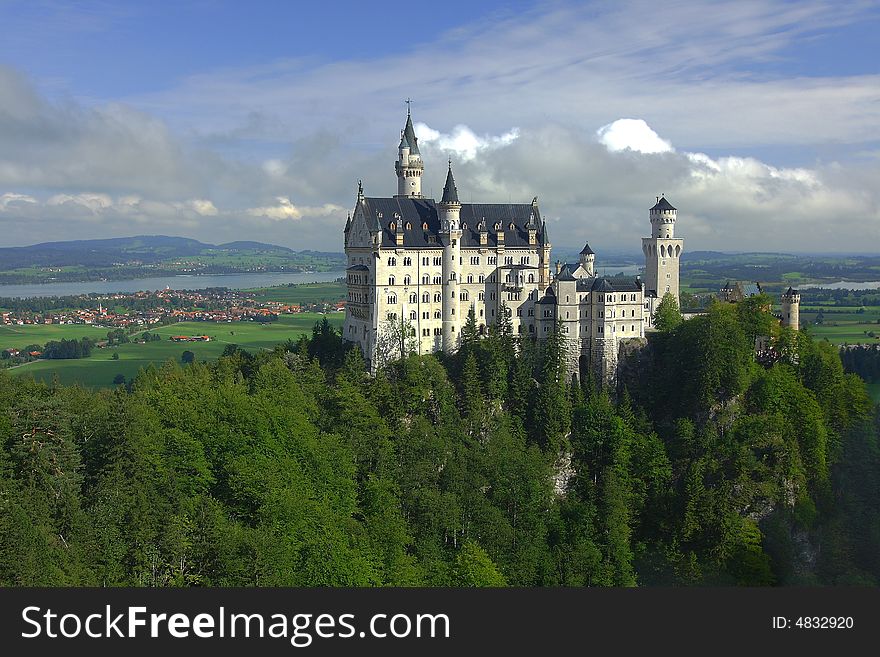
pixel 21 336
pixel 308 293
pixel 99 369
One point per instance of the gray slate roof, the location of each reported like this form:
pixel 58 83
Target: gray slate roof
pixel 450 191
pixel 410 134
pixel 420 211
pixel 663 204
pixel 587 250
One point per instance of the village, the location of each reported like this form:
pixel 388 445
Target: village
pixel 140 310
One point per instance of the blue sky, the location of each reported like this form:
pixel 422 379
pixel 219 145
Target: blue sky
pixel 230 120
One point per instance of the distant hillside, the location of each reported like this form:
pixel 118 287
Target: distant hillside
pixel 123 258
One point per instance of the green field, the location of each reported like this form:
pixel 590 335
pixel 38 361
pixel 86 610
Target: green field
pixel 846 327
pixel 307 293
pixel 21 336
pixel 100 369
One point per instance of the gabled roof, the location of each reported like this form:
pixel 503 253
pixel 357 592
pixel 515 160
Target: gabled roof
pixel 419 212
pixel 663 204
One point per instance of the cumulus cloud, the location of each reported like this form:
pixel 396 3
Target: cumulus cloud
pixel 463 142
pixel 634 135
pixel 285 209
pixel 10 198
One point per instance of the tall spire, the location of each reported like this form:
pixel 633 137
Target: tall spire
pixel 450 191
pixel 410 134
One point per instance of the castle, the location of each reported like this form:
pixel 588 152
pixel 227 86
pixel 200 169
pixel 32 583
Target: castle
pixel 416 267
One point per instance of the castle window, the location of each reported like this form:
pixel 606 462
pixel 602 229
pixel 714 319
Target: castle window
pixel 437 314
pixel 425 279
pixel 511 226
pixel 413 315
pixel 425 226
pixel 567 298
pixel 464 296
pixel 531 278
pixel 633 328
pixel 566 314
pixel 425 261
pixel 481 312
pixel 481 296
pixel 407 280
pixel 492 296
pixel 481 279
pixel 392 299
pixel 438 280
pixel 413 298
pixel 452 294
pixel 600 329
pixel 519 312
pixel 407 262
pixel 493 260
pixel 438 298
pixel 392 316
pixel 470 278
pixel 531 329
pixel 426 297
pixel 452 276
pixel 497 226
pixel 438 261
pixel 426 315
pixel 392 227
pixel 464 226
pixel 508 260
pixel 391 280
pixel 408 226
pixel 531 312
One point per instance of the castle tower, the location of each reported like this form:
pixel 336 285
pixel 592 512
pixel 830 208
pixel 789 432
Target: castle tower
pixel 791 303
pixel 449 209
pixel 409 166
pixel 662 251
pixel 588 260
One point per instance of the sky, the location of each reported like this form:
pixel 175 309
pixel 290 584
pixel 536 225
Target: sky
pixel 223 121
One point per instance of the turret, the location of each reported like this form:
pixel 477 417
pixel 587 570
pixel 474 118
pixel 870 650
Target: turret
pixel 409 166
pixel 588 259
pixel 791 303
pixel 449 209
pixel 663 219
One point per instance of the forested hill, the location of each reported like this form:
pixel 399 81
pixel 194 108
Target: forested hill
pixel 487 468
pixel 151 255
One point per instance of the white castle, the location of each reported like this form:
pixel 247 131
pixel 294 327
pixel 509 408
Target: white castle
pixel 418 266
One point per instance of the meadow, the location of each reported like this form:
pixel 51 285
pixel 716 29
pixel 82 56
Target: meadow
pixel 99 369
pixel 19 337
pixel 308 293
pixel 842 324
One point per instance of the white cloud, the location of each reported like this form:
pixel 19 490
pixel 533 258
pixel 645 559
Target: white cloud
pixel 10 198
pixel 285 209
pixel 634 135
pixel 463 142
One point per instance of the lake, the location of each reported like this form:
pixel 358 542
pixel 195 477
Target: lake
pixel 232 281
pixel 845 285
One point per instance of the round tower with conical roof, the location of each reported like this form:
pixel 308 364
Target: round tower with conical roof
pixel 588 260
pixel 409 166
pixel 791 305
pixel 662 253
pixel 449 211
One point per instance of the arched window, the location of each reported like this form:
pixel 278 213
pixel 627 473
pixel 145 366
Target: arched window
pixel 425 279
pixel 391 280
pixel 481 296
pixel 392 299
pixel 481 278
pixel 531 278
pixel 413 315
pixel 464 296
pixel 407 262
pixel 426 297
pixel 408 226
pixel 413 298
pixel 437 298
pixel 470 278
pixel 438 314
pixel 425 227
pixel 407 280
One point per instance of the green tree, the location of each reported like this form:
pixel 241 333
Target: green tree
pixel 667 316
